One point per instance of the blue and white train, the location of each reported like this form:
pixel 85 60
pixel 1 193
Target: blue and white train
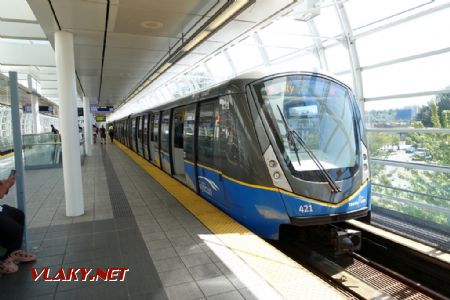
pixel 286 148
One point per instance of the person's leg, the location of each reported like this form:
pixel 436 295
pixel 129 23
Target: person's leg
pixel 15 213
pixel 15 253
pixel 11 233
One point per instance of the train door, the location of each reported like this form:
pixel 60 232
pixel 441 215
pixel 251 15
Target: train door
pixel 125 130
pixel 139 136
pixel 165 142
pixel 154 140
pixel 209 176
pixel 129 133
pixel 133 134
pixel 188 146
pixel 145 136
pixel 177 143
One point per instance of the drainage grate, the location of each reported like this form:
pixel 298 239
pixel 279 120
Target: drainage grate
pixel 382 282
pixel 119 202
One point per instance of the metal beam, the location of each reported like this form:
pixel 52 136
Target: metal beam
pixel 410 165
pixel 407 58
pixel 319 49
pixel 404 20
pixel 410 95
pixel 413 130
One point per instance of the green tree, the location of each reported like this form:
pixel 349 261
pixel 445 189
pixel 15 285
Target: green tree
pixel 435 115
pixel 424 114
pixel 434 184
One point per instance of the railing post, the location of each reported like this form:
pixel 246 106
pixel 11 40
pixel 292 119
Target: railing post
pixel 17 139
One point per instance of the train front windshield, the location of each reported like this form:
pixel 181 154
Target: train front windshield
pixel 320 111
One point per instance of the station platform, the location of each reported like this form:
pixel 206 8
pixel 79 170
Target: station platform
pixel 175 244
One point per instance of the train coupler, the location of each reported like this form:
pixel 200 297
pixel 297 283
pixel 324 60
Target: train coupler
pixel 346 241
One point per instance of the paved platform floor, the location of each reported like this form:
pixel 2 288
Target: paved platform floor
pixel 130 221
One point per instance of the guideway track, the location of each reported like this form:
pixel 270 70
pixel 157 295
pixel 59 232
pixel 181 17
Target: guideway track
pixel 359 275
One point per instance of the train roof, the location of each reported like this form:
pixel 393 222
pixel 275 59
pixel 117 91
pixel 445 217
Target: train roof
pixel 232 86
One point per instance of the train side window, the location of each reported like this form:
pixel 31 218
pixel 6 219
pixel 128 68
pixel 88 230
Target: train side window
pixel 178 123
pixel 133 133
pixel 165 122
pixel 208 132
pixel 188 132
pixel 145 129
pixel 138 130
pixel 155 127
pixel 229 141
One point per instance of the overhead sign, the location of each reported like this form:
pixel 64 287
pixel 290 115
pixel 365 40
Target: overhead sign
pixel 100 118
pixel 103 109
pixel 48 109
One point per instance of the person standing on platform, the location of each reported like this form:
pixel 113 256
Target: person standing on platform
pixel 111 133
pixel 94 133
pixel 12 224
pixel 54 130
pixel 103 135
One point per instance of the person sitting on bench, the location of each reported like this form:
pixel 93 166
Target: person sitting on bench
pixel 12 223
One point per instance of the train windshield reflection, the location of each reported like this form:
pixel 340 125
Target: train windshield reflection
pixel 321 112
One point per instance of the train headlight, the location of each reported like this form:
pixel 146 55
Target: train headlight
pixel 365 162
pixel 275 170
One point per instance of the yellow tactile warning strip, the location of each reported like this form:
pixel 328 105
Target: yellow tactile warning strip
pixel 6 155
pixel 286 276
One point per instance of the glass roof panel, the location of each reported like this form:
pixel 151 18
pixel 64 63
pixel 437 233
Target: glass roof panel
pixel 220 67
pixel 337 58
pixel 415 38
pixel 304 61
pixel 245 55
pixel 327 22
pixel 430 73
pixel 364 12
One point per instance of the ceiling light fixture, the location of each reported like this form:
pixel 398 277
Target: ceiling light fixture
pixel 196 40
pixel 230 11
pixel 151 24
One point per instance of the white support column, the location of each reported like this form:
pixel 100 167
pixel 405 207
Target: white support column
pixel 35 113
pixel 87 126
pixel 65 71
pixel 353 53
pixel 318 46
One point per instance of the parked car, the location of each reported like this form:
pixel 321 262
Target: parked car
pixel 421 154
pixel 410 150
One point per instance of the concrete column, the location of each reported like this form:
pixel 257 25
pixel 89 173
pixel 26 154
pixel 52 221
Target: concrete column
pixel 68 115
pixel 35 113
pixel 87 126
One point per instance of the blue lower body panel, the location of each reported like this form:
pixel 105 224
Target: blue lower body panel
pixel 303 207
pixel 264 209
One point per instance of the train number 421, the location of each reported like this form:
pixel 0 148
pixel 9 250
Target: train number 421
pixel 307 208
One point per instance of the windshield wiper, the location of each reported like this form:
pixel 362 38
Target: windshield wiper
pixel 292 135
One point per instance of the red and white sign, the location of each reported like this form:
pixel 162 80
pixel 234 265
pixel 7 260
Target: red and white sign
pixel 79 274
